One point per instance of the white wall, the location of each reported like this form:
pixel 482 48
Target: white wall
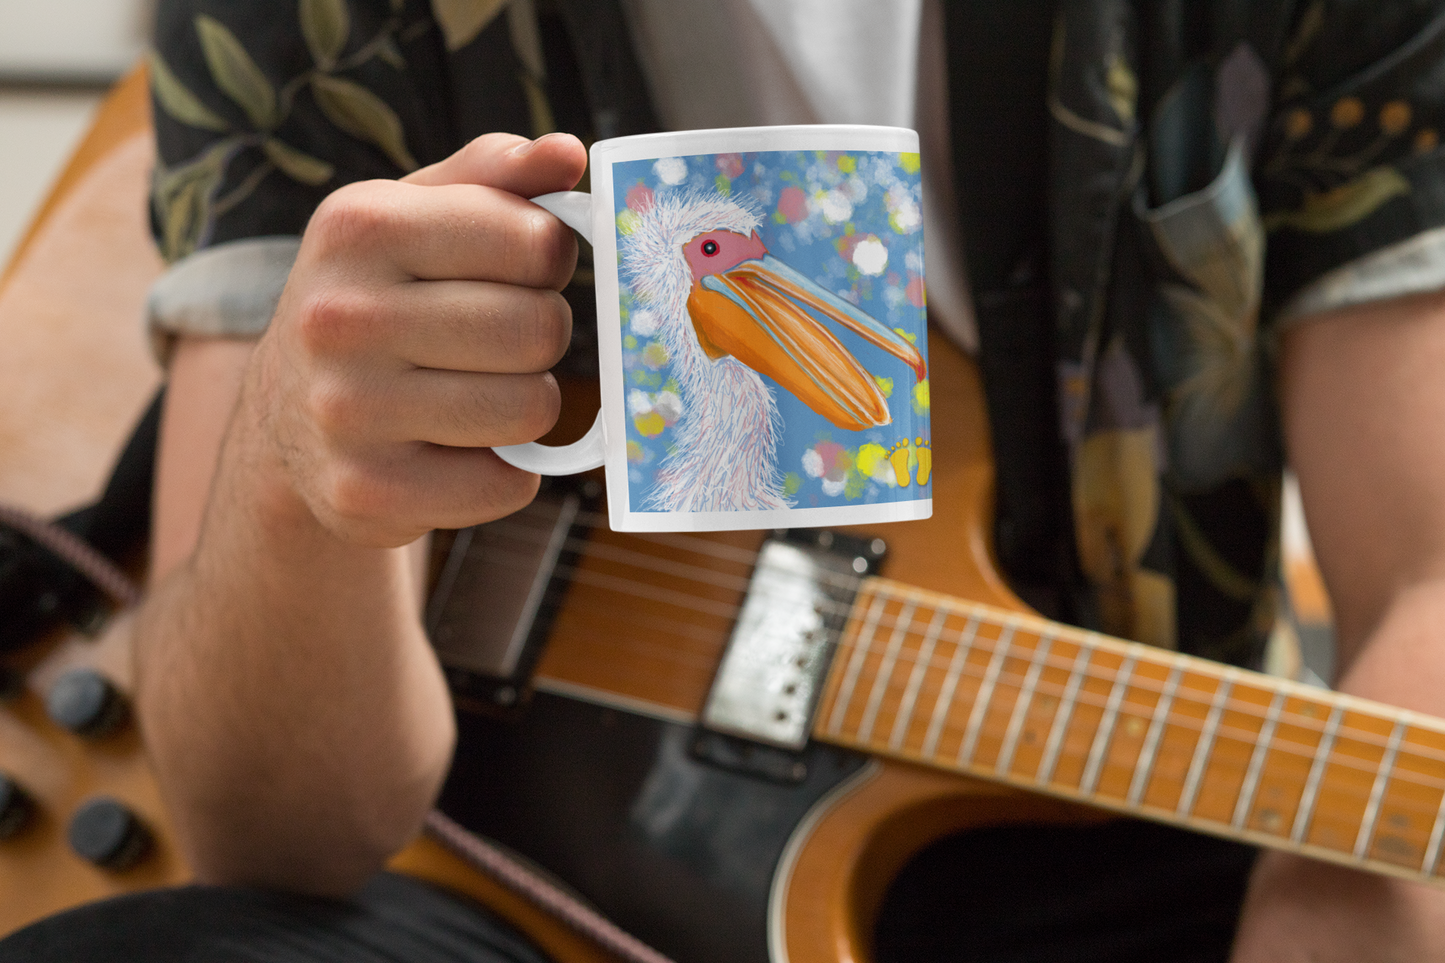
pixel 71 40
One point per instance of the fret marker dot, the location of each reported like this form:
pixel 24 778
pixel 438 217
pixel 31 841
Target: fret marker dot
pixel 1135 727
pixel 1270 820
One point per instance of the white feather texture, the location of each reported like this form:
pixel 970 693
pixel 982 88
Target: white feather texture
pixel 724 457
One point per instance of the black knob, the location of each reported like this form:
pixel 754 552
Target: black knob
pixel 108 834
pixel 86 703
pixel 16 807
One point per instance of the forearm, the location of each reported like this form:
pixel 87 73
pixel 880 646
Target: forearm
pixel 1362 406
pixel 294 711
pixel 1300 909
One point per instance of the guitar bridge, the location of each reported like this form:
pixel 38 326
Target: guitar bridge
pixel 770 678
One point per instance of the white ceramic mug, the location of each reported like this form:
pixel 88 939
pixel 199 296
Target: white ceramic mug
pixel 761 329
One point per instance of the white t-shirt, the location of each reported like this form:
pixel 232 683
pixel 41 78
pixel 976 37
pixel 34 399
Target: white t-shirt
pixel 743 63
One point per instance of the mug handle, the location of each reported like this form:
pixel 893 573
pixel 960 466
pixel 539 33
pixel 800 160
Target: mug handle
pixel 574 209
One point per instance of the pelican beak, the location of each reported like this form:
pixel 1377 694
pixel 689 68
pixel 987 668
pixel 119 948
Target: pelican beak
pixel 758 312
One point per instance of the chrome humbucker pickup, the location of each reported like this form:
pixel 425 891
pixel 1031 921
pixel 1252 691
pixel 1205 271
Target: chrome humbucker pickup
pixel 770 678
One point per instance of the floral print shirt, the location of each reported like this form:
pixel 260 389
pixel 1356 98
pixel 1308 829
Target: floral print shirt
pixel 1148 191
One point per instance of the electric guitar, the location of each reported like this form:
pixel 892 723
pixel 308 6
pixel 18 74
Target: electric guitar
pixel 599 739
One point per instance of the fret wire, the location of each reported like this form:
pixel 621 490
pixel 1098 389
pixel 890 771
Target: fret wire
pixel 885 671
pixel 904 718
pixel 1064 714
pixel 984 696
pixel 1022 703
pixel 958 605
pixel 855 664
pixel 962 606
pixel 1317 770
pixel 1377 791
pixel 1205 747
pixel 1256 761
pixel 950 684
pixel 1437 834
pixel 1106 727
pixel 1145 763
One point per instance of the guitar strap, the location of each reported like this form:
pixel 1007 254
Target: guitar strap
pixel 38 589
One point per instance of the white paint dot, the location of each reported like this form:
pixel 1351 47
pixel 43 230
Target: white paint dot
pixel 836 207
pixel 670 170
pixel 870 256
pixel 643 322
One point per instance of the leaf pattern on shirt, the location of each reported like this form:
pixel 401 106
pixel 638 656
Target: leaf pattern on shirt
pixel 186 195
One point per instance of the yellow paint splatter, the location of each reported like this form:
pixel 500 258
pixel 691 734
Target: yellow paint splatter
pixel 847 164
pixel 885 385
pixel 634 451
pixel 871 458
pixel 649 425
pixel 908 336
pixel 654 355
pixel 920 397
pixel 909 162
pixel 627 222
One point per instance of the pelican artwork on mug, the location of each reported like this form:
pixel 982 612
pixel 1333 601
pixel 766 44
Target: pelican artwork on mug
pixel 726 309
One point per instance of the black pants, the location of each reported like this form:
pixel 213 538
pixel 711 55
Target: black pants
pixel 1119 892
pixel 392 920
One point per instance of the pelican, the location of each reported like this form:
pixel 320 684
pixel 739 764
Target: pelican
pixel 727 310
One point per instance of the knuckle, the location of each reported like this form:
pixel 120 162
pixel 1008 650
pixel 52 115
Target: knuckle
pixel 356 497
pixel 332 320
pixel 502 489
pixel 523 409
pixel 541 331
pixel 542 405
pixel 544 252
pixel 358 214
pixel 334 410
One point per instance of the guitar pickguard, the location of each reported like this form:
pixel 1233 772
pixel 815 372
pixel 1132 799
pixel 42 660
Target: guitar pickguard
pixel 680 852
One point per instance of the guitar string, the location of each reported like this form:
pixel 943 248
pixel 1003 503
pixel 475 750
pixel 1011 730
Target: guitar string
pixel 1170 751
pixel 725 611
pixel 625 556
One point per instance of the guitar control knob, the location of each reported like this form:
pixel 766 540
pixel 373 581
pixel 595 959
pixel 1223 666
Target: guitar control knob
pixel 86 703
pixel 105 832
pixel 16 807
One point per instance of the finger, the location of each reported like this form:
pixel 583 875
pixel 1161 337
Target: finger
pixel 389 231
pixel 454 325
pixel 510 163
pixel 456 409
pixel 421 488
pixel 478 326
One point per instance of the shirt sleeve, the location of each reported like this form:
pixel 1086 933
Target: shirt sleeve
pixel 261 110
pixel 1351 173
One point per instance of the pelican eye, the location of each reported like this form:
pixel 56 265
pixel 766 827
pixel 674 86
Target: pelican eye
pixel 709 248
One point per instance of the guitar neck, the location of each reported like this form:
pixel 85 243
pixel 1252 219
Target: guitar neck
pixel 942 682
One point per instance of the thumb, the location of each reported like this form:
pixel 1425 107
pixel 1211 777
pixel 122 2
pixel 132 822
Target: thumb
pixel 527 168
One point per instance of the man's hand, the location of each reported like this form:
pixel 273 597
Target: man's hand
pixel 415 333
pixel 294 710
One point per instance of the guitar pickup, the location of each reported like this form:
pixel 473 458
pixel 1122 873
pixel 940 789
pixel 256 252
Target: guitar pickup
pixel 770 678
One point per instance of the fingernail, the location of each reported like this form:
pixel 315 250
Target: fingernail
pixel 523 148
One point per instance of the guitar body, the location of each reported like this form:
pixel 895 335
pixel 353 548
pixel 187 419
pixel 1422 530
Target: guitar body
pixel 595 779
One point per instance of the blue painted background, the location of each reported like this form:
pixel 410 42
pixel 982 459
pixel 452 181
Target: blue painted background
pixel 853 223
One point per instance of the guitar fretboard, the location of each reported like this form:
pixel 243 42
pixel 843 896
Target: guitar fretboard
pixel 973 689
